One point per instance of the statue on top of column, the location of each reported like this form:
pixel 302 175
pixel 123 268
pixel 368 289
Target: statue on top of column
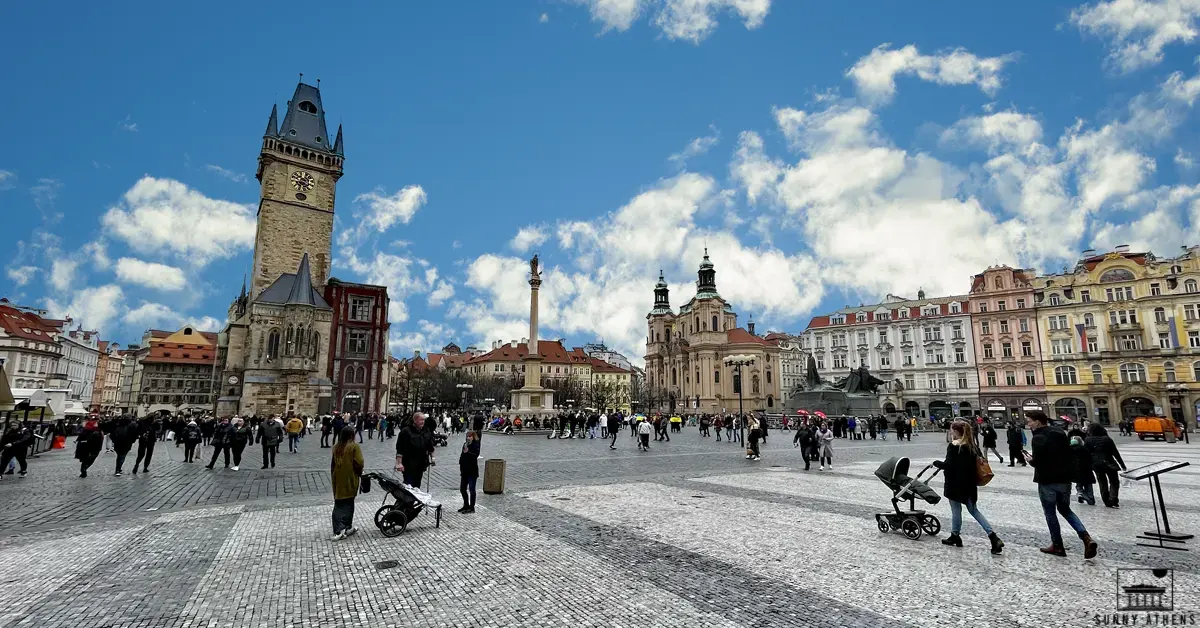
pixel 533 268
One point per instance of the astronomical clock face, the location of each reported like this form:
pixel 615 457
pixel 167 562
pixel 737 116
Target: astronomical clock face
pixel 233 379
pixel 302 181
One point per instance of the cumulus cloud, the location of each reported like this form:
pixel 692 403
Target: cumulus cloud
pixel 21 275
pixel 995 131
pixel 687 20
pixel 150 274
pixel 404 277
pixel 695 148
pixel 527 238
pixel 385 210
pixel 875 74
pixel 94 308
pixel 427 337
pixel 150 315
pixel 1139 30
pixel 8 180
pixel 62 274
pixel 166 216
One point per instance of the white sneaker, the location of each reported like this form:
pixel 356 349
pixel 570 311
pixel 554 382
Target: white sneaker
pixel 234 467
pixel 339 536
pixel 822 467
pixel 352 531
pixel 831 467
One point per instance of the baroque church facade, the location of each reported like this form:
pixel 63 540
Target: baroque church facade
pixel 686 353
pixel 273 355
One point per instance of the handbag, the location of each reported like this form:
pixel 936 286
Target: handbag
pixel 983 472
pixel 365 484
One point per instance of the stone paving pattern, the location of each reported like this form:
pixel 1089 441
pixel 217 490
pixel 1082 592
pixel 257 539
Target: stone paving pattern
pixel 689 534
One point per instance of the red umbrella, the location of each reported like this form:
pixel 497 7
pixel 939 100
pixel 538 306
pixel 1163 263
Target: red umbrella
pixel 820 414
pixel 804 412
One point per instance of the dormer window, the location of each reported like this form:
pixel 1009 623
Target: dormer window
pixel 307 107
pixel 317 139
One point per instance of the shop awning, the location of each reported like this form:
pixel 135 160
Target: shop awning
pixel 35 400
pixel 7 402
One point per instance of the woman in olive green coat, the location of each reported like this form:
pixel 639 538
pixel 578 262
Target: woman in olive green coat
pixel 346 467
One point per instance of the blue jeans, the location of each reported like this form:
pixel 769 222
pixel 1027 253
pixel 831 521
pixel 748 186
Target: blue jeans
pixel 293 442
pixel 956 517
pixel 1056 500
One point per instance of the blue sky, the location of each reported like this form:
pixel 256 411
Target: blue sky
pixel 826 153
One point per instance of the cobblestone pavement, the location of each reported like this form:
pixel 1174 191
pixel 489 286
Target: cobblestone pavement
pixel 689 534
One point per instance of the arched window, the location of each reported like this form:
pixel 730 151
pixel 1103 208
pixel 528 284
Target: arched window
pixel 754 384
pixel 715 325
pixel 1189 286
pixel 1133 372
pixel 1169 371
pixel 1089 320
pixel 273 344
pixel 768 376
pixel 674 378
pixel 1196 371
pixel 316 345
pixel 290 344
pixel 1097 374
pixel 717 375
pixel 1054 300
pixel 362 375
pixel 349 378
pixel 1116 274
pixel 1065 375
pixel 1160 315
pixel 697 323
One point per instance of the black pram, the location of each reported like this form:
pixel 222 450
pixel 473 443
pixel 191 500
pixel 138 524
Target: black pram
pixel 392 519
pixel 912 522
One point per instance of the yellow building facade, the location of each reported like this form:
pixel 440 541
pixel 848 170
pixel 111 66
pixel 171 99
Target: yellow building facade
pixel 1120 336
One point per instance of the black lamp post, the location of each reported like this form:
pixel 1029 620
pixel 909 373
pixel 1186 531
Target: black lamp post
pixel 737 362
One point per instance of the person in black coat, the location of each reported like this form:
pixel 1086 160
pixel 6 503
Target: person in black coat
pixel 1105 460
pixel 14 445
pixel 123 434
pixel 614 426
pixel 414 450
pixel 222 441
pixel 1081 459
pixel 191 436
pixel 468 468
pixel 239 437
pixel 1016 442
pixel 989 440
pixel 88 446
pixel 1053 472
pixel 148 431
pixel 961 472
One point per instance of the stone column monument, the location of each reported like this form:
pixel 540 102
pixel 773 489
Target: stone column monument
pixel 531 398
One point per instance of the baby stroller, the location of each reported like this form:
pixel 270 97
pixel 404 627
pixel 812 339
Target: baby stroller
pixel 392 519
pixel 911 522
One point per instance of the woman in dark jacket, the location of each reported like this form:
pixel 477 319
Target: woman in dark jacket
pixel 1016 442
pixel 192 435
pixel 238 440
pixel 989 440
pixel 962 484
pixel 1081 459
pixel 1105 462
pixel 468 467
pixel 88 446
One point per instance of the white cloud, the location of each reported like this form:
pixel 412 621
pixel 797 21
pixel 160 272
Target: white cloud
pixel 384 211
pixel 752 169
pixel 1184 159
pixel 62 274
pixel 687 20
pixel 8 180
pixel 163 215
pixel 45 193
pixel 22 275
pixel 98 251
pixel 93 308
pixel 527 238
pixel 150 274
pixel 695 148
pixel 128 125
pixel 1139 30
pixel 403 276
pixel 543 18
pixel 150 315
pixel 695 20
pixel 443 291
pixel 1160 219
pixel 228 174
pixel 996 131
pixel 875 74
pixel 429 337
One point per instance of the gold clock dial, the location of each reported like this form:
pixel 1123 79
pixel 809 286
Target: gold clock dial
pixel 303 181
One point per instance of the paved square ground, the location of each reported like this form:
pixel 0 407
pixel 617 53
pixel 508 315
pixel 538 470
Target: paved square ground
pixel 688 534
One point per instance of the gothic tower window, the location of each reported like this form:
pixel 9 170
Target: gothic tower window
pixel 273 344
pixel 316 345
pixel 716 376
pixel 290 344
pixel 715 326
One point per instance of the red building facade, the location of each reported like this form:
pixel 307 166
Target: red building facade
pixel 358 346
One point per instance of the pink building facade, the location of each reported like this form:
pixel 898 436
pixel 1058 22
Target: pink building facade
pixel 1008 348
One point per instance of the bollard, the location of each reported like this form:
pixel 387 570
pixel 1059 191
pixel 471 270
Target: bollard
pixel 493 476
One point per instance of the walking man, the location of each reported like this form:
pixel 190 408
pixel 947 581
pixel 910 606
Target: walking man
pixel 414 449
pixel 1052 471
pixel 294 426
pixel 149 430
pixel 270 433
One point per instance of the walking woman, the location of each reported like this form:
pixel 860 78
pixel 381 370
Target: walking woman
pixel 825 445
pixel 1105 462
pixel 88 446
pixel 241 436
pixel 346 466
pixel 755 428
pixel 962 484
pixel 989 440
pixel 468 468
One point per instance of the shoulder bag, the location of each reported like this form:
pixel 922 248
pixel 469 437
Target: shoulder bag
pixel 983 471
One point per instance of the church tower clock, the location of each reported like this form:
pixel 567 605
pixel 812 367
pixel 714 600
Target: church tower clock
pixel 298 169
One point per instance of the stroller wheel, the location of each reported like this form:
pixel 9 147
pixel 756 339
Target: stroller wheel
pixel 931 525
pixel 910 527
pixel 882 523
pixel 379 515
pixel 394 524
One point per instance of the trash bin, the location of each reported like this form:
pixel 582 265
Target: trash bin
pixel 493 476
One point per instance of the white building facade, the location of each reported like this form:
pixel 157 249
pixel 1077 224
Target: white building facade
pixel 81 353
pixel 30 350
pixel 923 348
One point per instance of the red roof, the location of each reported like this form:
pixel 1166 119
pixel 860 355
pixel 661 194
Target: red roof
pixel 434 359
pixel 551 351
pixel 15 323
pixel 741 336
pixel 600 366
pixel 455 360
pixel 172 353
pixel 102 346
pixel 818 321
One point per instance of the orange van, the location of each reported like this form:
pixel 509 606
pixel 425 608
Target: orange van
pixel 1155 427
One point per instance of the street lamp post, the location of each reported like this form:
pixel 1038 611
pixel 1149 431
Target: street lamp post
pixel 737 362
pixel 466 390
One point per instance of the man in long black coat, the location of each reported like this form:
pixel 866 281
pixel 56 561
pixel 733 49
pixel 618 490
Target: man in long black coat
pixel 414 450
pixel 1015 436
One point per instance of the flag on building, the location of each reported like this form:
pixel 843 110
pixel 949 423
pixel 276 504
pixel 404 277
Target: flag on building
pixel 1082 331
pixel 1174 328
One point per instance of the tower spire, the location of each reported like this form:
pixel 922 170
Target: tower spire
pixel 273 122
pixel 337 144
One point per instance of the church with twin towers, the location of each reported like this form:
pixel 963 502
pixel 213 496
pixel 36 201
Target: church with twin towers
pixel 299 342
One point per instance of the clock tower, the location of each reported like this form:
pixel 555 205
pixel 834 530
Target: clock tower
pixel 298 169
